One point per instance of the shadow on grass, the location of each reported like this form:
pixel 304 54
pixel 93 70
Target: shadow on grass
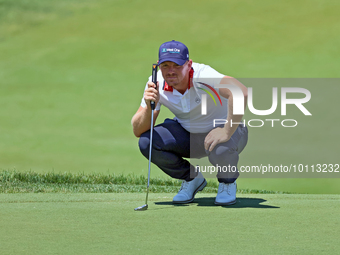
pixel 240 203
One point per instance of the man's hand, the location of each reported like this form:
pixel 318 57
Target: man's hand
pixel 222 135
pixel 215 136
pixel 151 93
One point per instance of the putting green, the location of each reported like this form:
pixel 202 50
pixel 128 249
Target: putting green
pixel 108 224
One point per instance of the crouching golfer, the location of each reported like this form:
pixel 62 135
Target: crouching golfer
pixel 192 134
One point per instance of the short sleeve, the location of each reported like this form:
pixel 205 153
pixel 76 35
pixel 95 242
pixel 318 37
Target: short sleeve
pixel 208 75
pixel 209 72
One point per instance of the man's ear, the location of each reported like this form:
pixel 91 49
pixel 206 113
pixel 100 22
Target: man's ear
pixel 190 63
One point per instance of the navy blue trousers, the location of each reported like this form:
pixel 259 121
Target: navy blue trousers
pixel 172 144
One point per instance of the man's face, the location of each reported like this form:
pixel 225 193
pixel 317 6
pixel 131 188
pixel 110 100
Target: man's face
pixel 176 75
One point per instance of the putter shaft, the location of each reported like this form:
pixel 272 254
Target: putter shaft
pixel 151 135
pixel 153 104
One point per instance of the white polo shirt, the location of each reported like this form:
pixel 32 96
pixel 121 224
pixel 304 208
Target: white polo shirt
pixel 187 107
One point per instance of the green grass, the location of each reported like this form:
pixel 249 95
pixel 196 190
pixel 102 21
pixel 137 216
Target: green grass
pixel 32 182
pixel 72 74
pixel 107 224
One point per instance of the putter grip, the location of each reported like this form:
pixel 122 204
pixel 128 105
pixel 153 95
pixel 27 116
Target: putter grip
pixel 154 80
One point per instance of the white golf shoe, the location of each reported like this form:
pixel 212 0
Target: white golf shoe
pixel 226 194
pixel 189 189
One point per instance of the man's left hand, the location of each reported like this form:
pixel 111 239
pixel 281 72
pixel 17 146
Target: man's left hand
pixel 215 136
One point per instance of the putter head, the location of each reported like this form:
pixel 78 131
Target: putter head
pixel 142 208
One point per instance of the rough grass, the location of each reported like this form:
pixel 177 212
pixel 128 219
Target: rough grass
pixel 12 181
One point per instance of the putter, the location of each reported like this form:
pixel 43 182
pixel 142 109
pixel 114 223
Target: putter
pixel 154 80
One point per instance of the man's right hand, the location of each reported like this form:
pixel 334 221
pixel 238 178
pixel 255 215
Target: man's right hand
pixel 151 93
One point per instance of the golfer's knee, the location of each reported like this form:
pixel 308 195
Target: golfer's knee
pixel 223 154
pixel 144 143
